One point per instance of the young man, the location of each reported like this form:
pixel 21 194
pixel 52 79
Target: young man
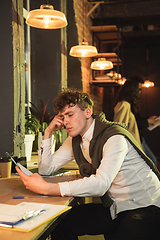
pixel 113 168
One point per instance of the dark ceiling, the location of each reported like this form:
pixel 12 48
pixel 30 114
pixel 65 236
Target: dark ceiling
pixel 137 20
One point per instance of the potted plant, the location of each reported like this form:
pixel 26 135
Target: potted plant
pixel 41 114
pixel 45 118
pixel 32 127
pixel 32 124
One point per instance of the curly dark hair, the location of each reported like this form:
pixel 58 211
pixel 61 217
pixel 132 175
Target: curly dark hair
pixel 130 92
pixel 72 97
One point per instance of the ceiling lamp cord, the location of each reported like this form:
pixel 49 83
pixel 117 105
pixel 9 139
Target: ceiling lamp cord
pixel 147 82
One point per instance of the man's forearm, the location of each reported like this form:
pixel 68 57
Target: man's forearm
pixel 53 189
pixel 47 133
pixel 37 184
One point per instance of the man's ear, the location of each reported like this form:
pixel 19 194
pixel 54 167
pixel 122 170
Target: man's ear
pixel 88 113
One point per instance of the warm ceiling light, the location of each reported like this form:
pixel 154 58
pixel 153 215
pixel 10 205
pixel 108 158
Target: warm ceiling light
pixel 83 50
pixel 121 81
pixel 148 84
pixel 114 75
pixel 101 64
pixel 46 17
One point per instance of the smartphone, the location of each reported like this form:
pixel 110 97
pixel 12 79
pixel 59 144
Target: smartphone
pixel 22 168
pixel 8 155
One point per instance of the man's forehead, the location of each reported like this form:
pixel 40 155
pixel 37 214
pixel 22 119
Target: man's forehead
pixel 67 109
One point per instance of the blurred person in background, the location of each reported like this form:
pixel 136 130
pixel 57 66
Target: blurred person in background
pixel 127 110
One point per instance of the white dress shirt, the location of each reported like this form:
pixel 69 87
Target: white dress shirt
pixel 122 171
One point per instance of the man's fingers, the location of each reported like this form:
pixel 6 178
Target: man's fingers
pixel 22 174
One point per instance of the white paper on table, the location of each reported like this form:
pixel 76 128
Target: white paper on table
pixel 14 212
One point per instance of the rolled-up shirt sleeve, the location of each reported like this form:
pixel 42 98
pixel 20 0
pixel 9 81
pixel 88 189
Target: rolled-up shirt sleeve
pixel 114 152
pixel 48 162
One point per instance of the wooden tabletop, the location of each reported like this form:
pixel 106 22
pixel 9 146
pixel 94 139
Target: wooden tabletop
pixel 14 186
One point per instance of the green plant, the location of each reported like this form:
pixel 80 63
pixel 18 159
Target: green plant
pixel 41 114
pixel 32 124
pixel 45 118
pixel 58 136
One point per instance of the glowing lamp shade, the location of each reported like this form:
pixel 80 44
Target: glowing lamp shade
pixel 101 64
pixel 83 50
pixel 46 18
pixel 148 84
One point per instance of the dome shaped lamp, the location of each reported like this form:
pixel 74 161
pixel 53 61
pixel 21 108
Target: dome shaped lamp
pixel 83 50
pixel 46 18
pixel 101 64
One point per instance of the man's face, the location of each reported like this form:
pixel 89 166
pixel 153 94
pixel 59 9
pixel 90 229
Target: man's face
pixel 75 120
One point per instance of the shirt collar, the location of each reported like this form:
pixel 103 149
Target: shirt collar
pixel 89 133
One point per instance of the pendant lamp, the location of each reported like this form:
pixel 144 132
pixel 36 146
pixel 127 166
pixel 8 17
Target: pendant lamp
pixel 148 84
pixel 101 64
pixel 46 18
pixel 83 50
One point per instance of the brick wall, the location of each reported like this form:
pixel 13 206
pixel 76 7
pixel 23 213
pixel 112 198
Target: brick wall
pixel 84 24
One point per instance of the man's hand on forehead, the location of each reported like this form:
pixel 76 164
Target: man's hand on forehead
pixel 60 116
pixel 56 124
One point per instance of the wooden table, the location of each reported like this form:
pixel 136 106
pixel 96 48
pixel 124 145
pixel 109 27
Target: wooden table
pixel 14 186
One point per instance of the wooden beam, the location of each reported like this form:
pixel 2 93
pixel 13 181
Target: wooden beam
pixel 129 9
pixel 106 55
pixel 107 28
pixel 92 9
